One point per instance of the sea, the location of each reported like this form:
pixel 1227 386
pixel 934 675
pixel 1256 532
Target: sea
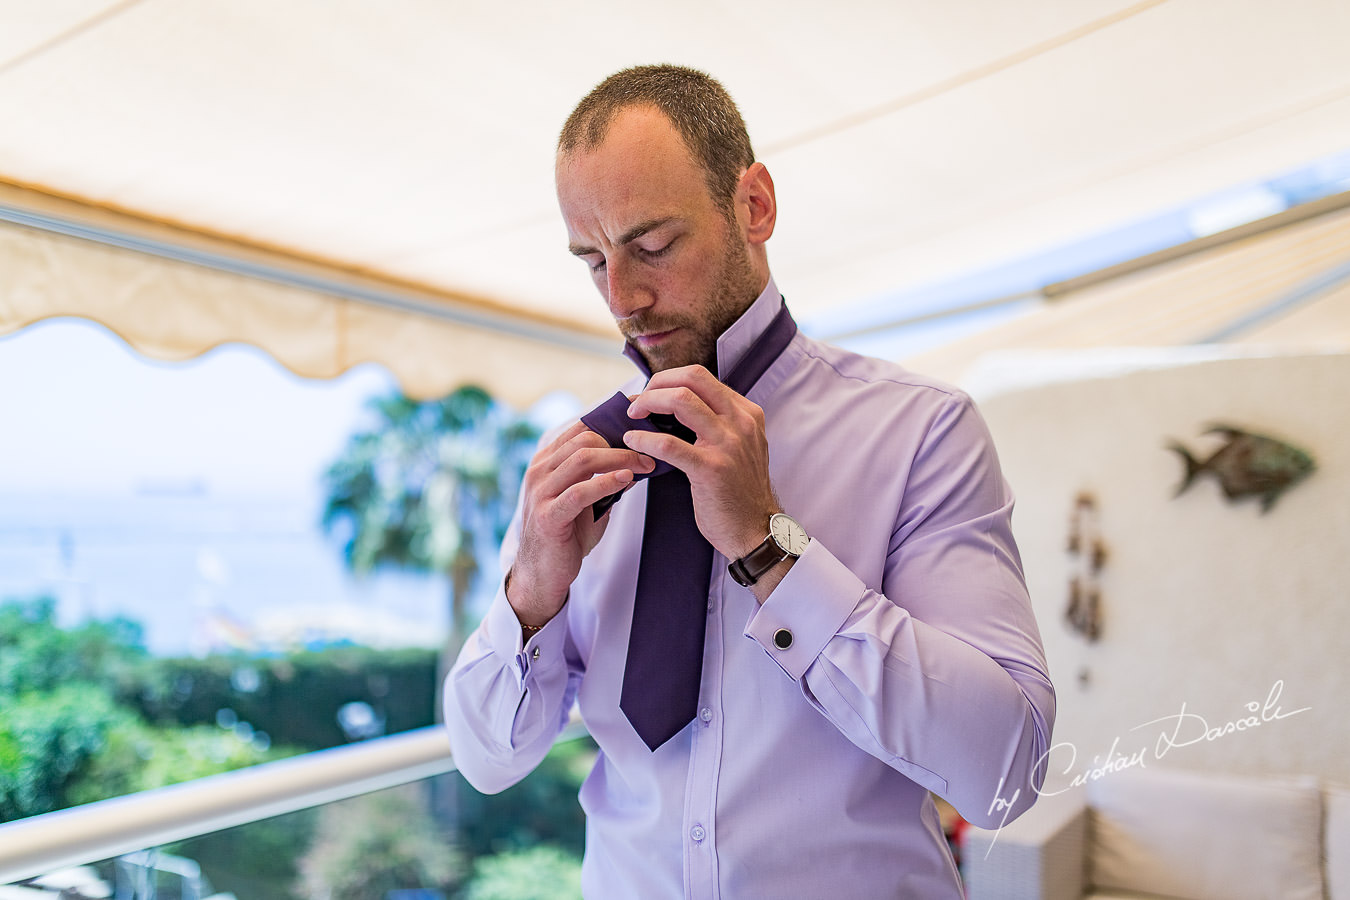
pixel 204 573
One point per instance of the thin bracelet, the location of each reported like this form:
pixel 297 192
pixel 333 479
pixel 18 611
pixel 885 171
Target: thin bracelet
pixel 506 586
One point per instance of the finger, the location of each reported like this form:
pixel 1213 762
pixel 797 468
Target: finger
pixel 719 398
pixel 576 428
pixel 548 458
pixel 678 400
pixel 586 463
pixel 582 439
pixel 665 447
pixel 580 497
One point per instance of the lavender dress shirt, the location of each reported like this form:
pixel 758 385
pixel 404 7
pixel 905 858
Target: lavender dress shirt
pixel 915 663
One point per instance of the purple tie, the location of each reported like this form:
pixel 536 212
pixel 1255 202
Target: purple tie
pixel 665 646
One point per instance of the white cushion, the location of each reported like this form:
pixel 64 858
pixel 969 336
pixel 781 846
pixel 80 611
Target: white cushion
pixel 1198 837
pixel 1338 842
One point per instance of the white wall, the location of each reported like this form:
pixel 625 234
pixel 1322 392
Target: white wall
pixel 1207 605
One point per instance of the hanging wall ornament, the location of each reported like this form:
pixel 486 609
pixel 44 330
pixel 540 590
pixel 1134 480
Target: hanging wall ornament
pixel 1087 557
pixel 1248 465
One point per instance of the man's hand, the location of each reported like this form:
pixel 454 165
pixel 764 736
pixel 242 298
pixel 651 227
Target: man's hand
pixel 728 466
pixel 557 529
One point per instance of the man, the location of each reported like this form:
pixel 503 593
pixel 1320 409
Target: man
pixel 893 655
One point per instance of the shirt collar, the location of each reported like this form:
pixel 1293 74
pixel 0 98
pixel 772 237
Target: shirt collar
pixel 738 338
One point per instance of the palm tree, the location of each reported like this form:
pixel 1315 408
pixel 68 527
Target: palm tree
pixel 428 488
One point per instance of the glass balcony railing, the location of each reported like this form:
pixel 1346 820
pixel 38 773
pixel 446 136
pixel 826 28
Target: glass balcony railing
pixel 386 819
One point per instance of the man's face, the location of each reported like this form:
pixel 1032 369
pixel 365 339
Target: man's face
pixel 670 263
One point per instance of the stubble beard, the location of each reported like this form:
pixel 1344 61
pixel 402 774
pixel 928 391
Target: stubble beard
pixel 734 290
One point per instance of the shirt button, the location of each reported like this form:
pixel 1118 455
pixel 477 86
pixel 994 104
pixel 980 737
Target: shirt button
pixel 698 834
pixel 782 639
pixel 705 714
pixel 535 653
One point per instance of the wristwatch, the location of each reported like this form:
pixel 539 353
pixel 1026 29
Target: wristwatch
pixel 786 540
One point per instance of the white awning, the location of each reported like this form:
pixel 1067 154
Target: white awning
pixel 1285 288
pixel 411 142
pixel 173 297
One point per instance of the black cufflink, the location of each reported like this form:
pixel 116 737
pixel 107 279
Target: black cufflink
pixel 782 639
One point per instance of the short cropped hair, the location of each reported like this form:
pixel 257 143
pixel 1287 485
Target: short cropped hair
pixel 698 107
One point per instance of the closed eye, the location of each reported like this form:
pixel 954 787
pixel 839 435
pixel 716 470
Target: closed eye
pixel 658 252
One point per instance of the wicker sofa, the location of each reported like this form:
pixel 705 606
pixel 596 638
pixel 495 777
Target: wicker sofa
pixel 1155 833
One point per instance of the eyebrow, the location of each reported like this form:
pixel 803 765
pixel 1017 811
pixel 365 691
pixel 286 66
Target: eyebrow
pixel 627 237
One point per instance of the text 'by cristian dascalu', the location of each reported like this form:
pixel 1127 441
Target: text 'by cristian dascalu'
pixel 1180 729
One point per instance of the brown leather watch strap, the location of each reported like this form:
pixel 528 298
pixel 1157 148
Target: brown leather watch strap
pixel 751 567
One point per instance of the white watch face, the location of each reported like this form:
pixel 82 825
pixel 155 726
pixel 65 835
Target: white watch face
pixel 787 534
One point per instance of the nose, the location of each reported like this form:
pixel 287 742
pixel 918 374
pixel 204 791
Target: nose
pixel 624 291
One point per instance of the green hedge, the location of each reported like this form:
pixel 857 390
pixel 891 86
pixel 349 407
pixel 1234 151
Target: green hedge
pixel 295 698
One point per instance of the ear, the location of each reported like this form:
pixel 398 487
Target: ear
pixel 755 194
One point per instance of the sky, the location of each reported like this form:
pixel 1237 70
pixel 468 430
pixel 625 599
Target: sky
pixel 83 413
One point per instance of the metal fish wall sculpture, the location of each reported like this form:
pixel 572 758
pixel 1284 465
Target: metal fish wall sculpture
pixel 1248 465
